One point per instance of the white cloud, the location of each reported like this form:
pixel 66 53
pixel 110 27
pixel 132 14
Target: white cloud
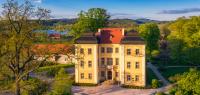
pixel 37 1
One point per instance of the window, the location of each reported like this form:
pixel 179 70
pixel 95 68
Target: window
pixel 90 75
pixel 82 64
pixel 82 75
pixel 109 61
pixel 89 63
pixel 81 51
pixel 102 50
pixel 109 50
pixel 116 50
pixel 128 65
pixel 128 51
pixel 137 51
pixel 102 74
pixel 117 61
pixel 102 61
pixel 136 77
pixel 89 51
pixel 137 65
pixel 116 74
pixel 128 77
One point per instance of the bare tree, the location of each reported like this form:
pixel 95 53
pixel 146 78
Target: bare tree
pixel 19 20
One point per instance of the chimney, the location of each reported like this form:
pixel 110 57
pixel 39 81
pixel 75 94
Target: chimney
pixel 99 30
pixel 123 31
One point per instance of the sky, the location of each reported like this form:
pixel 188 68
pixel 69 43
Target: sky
pixel 163 10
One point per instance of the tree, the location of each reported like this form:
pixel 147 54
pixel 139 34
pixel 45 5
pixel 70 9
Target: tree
pixel 184 40
pixel 19 20
pixel 188 83
pixel 163 43
pixel 90 21
pixel 151 34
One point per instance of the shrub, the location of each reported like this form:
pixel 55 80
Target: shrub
pixel 172 91
pixel 52 72
pixel 33 86
pixel 175 78
pixel 160 93
pixel 62 84
pixel 155 83
pixel 155 53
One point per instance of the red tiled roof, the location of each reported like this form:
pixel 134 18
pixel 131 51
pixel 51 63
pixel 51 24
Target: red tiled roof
pixel 54 35
pixel 110 35
pixel 51 48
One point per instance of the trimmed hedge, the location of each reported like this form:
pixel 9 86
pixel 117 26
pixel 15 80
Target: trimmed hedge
pixel 134 87
pixel 84 84
pixel 46 68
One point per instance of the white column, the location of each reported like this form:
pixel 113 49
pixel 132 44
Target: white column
pixel 96 64
pixel 144 66
pixel 122 64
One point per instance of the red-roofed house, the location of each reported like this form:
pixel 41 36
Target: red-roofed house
pixel 58 53
pixel 55 36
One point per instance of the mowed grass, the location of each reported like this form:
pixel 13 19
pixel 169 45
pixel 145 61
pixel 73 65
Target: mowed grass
pixel 172 71
pixel 150 76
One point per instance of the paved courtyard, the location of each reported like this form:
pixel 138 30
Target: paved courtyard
pixel 110 90
pixel 104 89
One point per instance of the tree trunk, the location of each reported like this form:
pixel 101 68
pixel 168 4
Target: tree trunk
pixel 17 88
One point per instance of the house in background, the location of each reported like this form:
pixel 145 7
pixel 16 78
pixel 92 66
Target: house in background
pixel 55 36
pixel 58 53
pixel 110 54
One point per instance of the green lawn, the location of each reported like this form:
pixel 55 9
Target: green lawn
pixel 150 76
pixel 168 72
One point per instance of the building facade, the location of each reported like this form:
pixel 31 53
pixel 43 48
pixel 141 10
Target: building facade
pixel 110 54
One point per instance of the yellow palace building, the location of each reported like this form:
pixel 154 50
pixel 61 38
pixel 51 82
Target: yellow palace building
pixel 110 54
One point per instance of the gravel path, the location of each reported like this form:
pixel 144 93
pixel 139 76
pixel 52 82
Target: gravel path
pixel 158 74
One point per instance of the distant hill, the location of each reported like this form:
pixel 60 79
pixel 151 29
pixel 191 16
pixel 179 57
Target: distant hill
pixel 112 21
pixel 144 20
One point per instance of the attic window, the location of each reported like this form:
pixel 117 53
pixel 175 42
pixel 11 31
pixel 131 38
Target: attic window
pixel 111 36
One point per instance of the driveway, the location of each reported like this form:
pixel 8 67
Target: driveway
pixel 110 90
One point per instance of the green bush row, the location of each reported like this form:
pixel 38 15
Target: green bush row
pixel 84 84
pixel 134 87
pixel 46 68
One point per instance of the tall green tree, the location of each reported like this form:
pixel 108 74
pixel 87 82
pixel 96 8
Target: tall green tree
pixel 151 34
pixel 90 21
pixel 17 37
pixel 184 40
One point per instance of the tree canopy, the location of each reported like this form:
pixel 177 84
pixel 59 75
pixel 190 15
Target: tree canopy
pixel 184 40
pixel 17 37
pixel 90 21
pixel 188 83
pixel 151 34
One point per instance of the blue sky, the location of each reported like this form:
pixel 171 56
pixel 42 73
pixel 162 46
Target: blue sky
pixel 133 9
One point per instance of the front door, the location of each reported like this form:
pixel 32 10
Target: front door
pixel 109 75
